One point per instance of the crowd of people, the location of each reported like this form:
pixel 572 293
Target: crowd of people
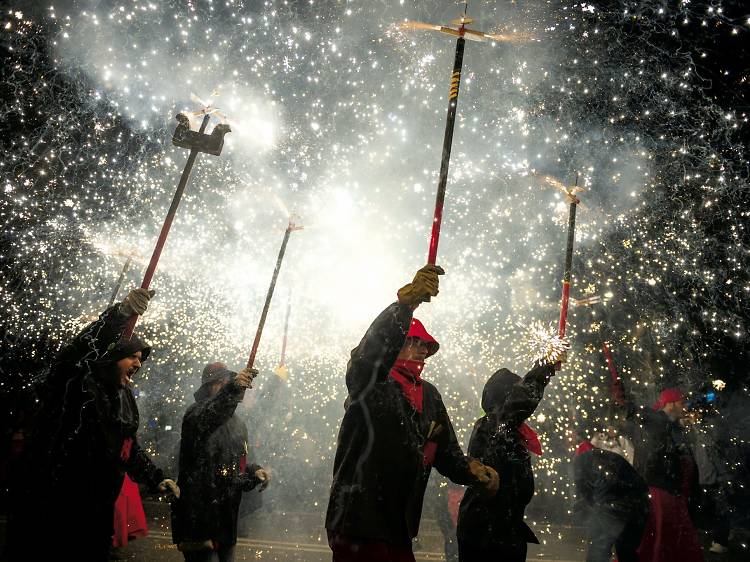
pixel 634 483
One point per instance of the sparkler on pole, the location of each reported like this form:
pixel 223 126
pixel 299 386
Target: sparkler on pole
pixel 463 33
pixel 289 229
pixel 574 201
pixel 196 141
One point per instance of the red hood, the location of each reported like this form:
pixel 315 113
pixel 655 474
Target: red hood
pixel 417 330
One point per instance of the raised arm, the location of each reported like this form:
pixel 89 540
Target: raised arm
pixel 525 396
pixel 93 341
pixel 90 344
pixel 373 358
pixel 208 415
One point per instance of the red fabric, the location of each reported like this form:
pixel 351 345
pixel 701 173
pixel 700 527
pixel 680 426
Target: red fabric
pixel 428 454
pixel 583 447
pixel 130 519
pixel 417 330
pixel 407 374
pixel 127 445
pixel 530 439
pixel 455 495
pixel 243 464
pixel 669 534
pixel 667 396
pixel 347 549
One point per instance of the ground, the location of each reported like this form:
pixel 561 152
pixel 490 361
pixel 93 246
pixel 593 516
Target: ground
pixel 299 537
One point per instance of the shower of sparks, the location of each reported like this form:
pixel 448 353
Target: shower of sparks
pixel 339 114
pixel 544 343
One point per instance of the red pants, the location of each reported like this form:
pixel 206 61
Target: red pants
pixel 349 549
pixel 670 534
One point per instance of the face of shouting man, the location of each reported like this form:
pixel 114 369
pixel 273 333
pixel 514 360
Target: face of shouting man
pixel 127 367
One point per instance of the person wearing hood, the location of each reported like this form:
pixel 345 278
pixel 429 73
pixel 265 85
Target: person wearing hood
pixel 84 441
pixel 394 430
pixel 494 528
pixel 213 467
pixel 664 460
pixel 612 498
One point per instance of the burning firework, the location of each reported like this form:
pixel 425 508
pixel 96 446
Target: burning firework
pixel 543 343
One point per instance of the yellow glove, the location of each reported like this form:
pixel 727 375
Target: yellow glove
pixel 424 286
pixel 486 477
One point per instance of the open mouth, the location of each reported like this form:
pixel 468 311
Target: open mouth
pixel 129 376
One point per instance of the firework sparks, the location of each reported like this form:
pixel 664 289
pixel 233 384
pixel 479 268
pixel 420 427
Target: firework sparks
pixel 543 343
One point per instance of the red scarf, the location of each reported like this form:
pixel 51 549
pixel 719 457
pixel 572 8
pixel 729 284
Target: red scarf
pixel 407 374
pixel 583 447
pixel 530 439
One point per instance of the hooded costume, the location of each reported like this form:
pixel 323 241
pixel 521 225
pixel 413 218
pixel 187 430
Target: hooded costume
pixel 395 429
pixel 490 529
pixel 84 439
pixel 213 469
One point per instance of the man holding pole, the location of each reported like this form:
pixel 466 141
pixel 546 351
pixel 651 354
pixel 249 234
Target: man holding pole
pixel 84 442
pixel 394 430
pixel 213 467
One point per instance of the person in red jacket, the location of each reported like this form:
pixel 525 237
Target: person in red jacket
pixel 394 430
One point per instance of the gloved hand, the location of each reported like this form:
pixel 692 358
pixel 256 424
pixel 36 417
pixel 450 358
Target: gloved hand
pixel 424 286
pixel 245 377
pixel 265 478
pixel 136 302
pixel 170 486
pixel 486 477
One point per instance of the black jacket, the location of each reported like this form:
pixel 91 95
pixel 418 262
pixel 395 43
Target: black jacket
pixel 496 442
pixel 606 481
pixel 75 461
pixel 213 444
pixel 379 477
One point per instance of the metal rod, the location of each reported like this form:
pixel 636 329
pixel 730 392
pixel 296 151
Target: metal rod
pixel 447 145
pixel 120 279
pixel 269 296
pixel 165 227
pixel 567 272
